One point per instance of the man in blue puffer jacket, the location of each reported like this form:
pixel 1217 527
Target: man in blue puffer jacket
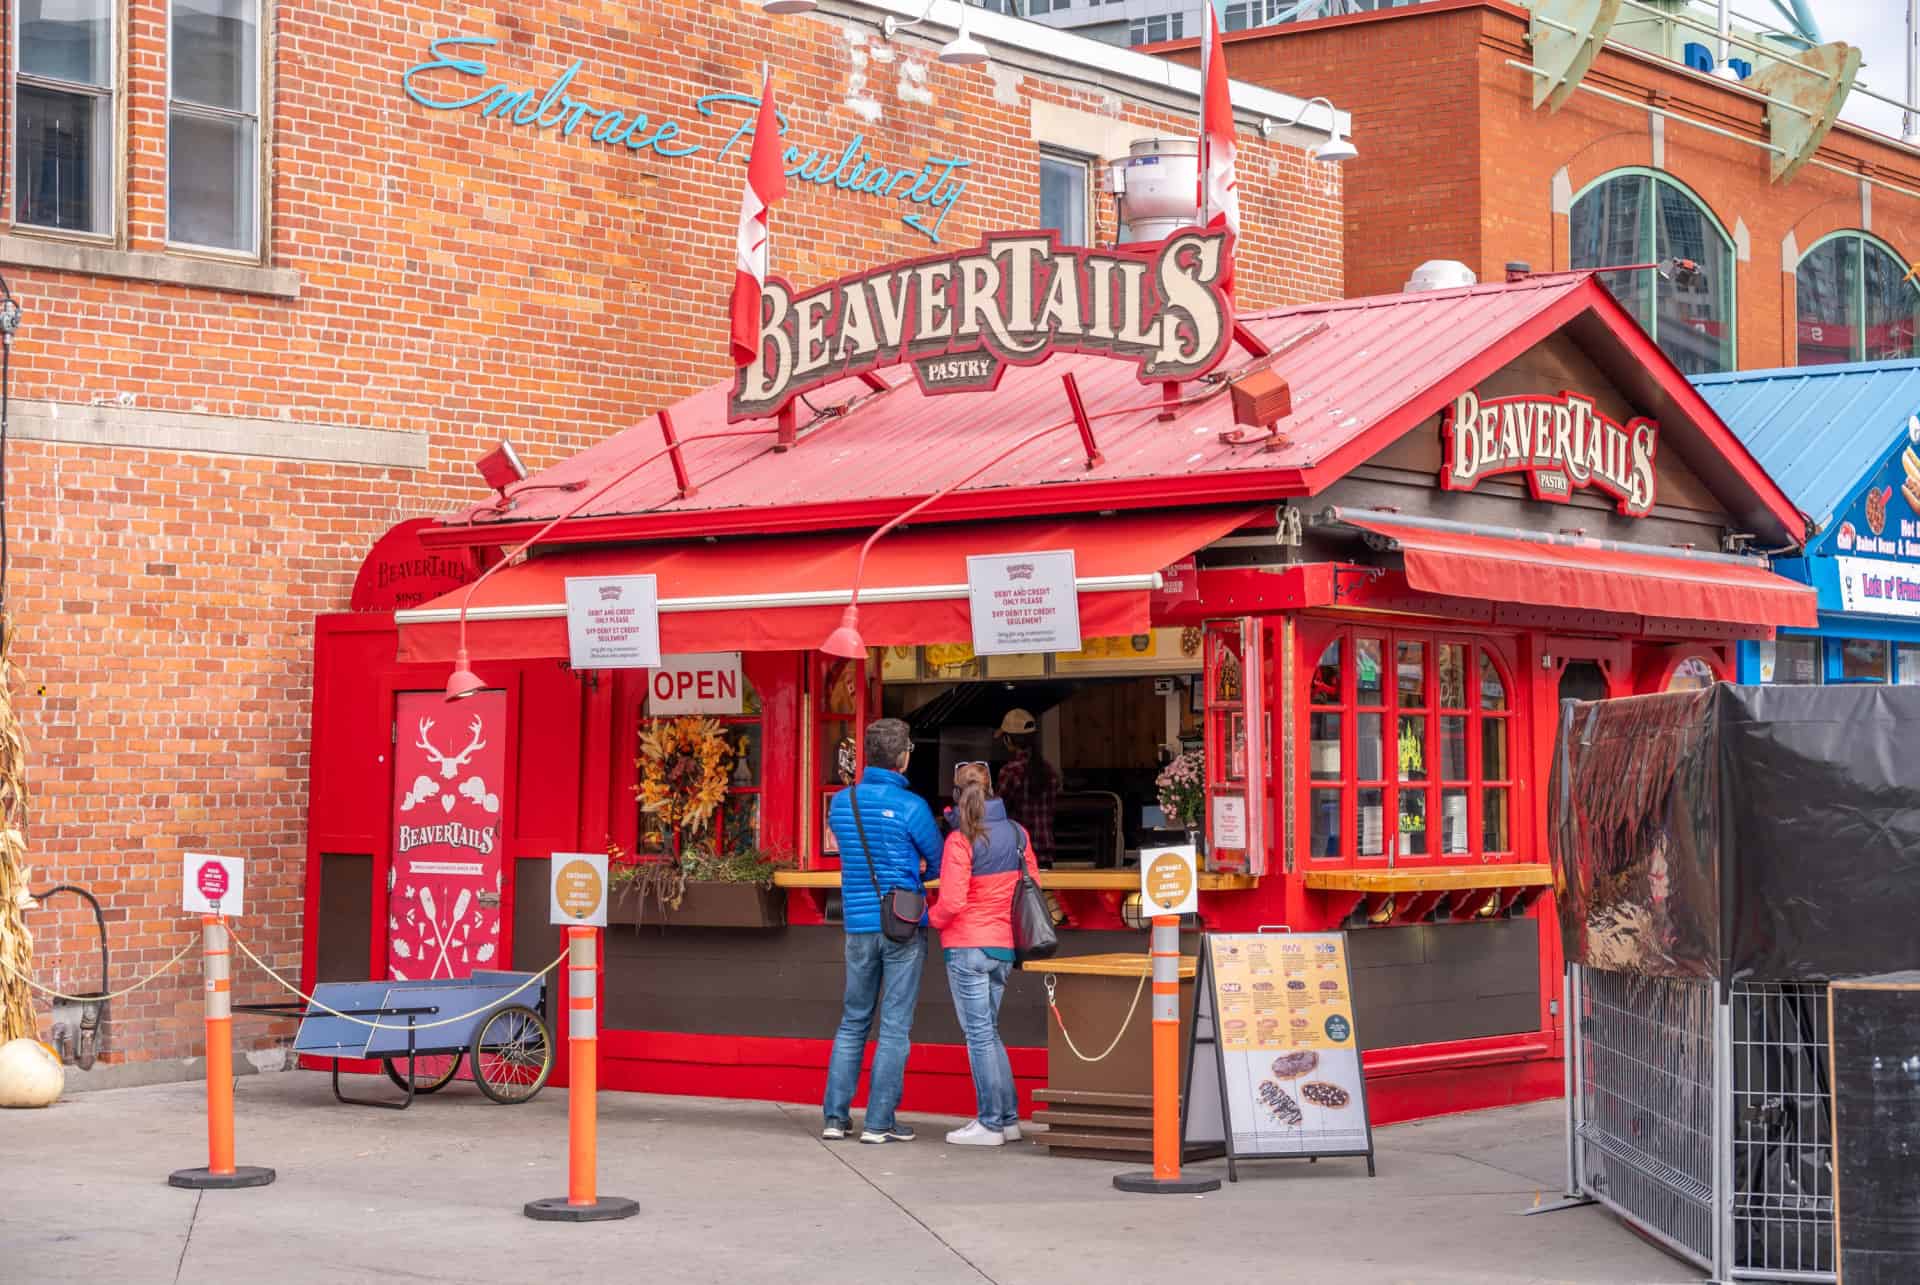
pixel 880 972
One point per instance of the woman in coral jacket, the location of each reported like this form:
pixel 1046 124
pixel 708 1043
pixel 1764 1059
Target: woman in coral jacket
pixel 979 871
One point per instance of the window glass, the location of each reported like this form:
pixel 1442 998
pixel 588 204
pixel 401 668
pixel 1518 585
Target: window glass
pixel 1790 660
pixel 1450 666
pixel 216 50
pixel 1453 821
pixel 1493 749
pixel 1326 676
pixel 1908 674
pixel 1891 303
pixel 1410 665
pixel 1863 660
pixel 1493 689
pixel 1413 823
pixel 1063 197
pixel 1324 840
pixel 1413 747
pixel 1372 810
pixel 1366 670
pixel 1825 287
pixel 1690 675
pixel 1326 747
pixel 1644 218
pixel 1495 836
pixel 1369 765
pixel 1453 747
pixel 213 136
pixel 70 40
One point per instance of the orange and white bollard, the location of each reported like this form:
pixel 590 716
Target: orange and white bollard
pixel 582 1203
pixel 220 1172
pixel 1166 1179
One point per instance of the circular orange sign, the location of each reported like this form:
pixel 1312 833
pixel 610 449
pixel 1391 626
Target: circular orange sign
pixel 578 890
pixel 1169 882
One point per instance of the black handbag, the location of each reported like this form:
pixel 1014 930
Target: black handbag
pixel 900 908
pixel 1033 933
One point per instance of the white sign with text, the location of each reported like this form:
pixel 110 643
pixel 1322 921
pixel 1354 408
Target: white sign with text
pixel 613 622
pixel 1879 586
pixel 211 885
pixel 579 889
pixel 1023 603
pixel 701 683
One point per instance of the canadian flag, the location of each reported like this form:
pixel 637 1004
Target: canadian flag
pixel 1219 189
pixel 766 183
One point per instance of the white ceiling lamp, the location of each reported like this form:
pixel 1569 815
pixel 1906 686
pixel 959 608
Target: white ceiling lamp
pixel 1334 150
pixel 786 6
pixel 962 51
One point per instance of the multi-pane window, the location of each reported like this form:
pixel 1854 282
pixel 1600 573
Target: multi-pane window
pixel 213 125
pixel 1640 217
pixel 1156 27
pixel 1789 659
pixel 64 115
pixel 1047 6
pixel 1064 184
pixel 1854 302
pixel 1410 749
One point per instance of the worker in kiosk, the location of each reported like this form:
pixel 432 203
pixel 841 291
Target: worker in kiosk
pixel 1029 785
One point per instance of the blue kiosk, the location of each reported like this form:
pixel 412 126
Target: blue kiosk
pixel 1844 443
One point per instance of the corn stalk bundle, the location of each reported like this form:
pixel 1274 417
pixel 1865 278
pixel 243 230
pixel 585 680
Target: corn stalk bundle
pixel 16 945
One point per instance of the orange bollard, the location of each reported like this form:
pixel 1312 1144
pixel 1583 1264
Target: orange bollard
pixel 220 1171
pixel 1165 1179
pixel 582 1203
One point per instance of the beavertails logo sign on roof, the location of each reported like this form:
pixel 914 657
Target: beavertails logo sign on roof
pixel 961 319
pixel 1560 443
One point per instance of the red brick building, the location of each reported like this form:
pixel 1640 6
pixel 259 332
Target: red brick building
pixel 1456 163
pixel 285 283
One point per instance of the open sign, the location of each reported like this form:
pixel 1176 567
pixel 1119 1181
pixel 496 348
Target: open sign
pixel 699 683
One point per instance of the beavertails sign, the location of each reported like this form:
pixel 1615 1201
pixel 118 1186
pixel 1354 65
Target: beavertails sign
pixel 1560 443
pixel 961 319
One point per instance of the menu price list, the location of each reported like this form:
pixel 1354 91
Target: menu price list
pixel 1287 1040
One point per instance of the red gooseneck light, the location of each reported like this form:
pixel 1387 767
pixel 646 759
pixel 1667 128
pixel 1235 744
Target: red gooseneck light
pixel 463 682
pixel 845 641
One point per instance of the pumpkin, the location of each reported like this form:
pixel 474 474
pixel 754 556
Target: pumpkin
pixel 30 1074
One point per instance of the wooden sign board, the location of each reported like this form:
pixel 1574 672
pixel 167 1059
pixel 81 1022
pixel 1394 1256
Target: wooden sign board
pixel 1873 1026
pixel 1273 1021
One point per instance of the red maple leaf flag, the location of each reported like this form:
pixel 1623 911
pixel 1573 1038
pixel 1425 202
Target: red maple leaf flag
pixel 766 183
pixel 1219 189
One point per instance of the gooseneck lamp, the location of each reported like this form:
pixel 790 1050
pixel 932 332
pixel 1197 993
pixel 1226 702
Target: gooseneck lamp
pixel 1334 150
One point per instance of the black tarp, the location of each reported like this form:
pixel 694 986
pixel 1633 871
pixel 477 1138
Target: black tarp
pixel 1740 832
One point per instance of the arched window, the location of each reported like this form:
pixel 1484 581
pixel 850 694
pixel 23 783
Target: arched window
pixel 1853 301
pixel 1639 216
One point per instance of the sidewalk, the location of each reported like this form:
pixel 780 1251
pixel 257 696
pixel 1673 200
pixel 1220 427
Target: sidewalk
pixel 746 1191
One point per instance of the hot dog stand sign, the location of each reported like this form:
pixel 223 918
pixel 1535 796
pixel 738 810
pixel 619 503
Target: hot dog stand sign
pixel 1273 1023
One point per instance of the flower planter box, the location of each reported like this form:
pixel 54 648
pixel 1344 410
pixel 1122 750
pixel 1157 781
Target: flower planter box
pixel 706 905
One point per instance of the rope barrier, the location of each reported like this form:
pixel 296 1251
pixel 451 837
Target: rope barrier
pixel 382 1026
pixel 1125 1022
pixel 98 999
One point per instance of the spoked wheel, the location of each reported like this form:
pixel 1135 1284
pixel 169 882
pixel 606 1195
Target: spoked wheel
pixel 431 1071
pixel 512 1054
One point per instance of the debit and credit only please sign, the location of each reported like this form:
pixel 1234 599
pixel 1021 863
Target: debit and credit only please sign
pixel 1023 603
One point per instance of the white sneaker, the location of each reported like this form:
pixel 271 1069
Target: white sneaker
pixel 975 1134
pixel 1011 1133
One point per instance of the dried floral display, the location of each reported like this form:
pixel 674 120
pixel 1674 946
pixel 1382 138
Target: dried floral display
pixel 685 767
pixel 16 945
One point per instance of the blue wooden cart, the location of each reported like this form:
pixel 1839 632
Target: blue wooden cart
pixel 421 1030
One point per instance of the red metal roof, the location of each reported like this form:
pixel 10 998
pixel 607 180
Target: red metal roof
pixel 1361 372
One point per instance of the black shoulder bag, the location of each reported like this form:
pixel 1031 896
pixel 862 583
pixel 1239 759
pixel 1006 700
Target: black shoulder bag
pixel 1033 933
pixel 900 908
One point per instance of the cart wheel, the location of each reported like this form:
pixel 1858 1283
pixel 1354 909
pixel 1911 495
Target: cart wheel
pixel 511 1054
pixel 431 1071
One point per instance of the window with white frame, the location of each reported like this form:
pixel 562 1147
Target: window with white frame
pixel 1066 183
pixel 64 115
pixel 1157 27
pixel 213 125
pixel 1854 302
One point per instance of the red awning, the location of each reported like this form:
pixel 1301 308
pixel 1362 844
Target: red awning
pixel 780 594
pixel 1589 575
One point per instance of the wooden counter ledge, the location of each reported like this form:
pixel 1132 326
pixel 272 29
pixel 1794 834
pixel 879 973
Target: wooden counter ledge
pixel 1105 966
pixel 1418 894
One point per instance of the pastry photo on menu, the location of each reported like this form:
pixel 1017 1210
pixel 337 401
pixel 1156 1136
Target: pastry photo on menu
pixel 1280 1105
pixel 1291 1066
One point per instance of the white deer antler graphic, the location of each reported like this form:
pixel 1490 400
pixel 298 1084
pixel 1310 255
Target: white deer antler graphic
pixel 450 765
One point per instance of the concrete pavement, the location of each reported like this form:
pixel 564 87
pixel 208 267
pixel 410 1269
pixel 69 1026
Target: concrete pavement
pixel 746 1191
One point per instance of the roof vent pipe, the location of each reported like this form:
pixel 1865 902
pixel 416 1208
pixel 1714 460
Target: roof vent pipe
pixel 1157 186
pixel 1440 274
pixel 1517 271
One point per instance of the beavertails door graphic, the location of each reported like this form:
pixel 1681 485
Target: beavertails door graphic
pixel 443 907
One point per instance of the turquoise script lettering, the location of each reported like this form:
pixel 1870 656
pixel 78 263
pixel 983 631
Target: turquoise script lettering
pixel 930 189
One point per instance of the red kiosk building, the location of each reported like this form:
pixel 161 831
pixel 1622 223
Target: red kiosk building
pixel 1359 562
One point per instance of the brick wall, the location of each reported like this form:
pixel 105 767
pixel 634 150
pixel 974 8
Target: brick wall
pixel 1456 163
pixel 461 278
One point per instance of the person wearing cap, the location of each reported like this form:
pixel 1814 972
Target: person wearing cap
pixel 883 975
pixel 1028 784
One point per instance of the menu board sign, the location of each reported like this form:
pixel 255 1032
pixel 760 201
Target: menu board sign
pixel 1275 1011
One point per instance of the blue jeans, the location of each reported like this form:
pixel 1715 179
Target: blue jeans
pixel 887 974
pixel 979 981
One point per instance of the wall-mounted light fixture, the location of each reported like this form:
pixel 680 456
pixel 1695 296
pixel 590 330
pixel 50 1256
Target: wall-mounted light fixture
pixel 962 51
pixel 1333 151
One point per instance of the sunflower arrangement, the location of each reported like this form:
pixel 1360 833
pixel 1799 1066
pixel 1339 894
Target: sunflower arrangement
pixel 685 766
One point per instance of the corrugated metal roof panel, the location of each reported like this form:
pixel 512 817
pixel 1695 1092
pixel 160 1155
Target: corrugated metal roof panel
pixel 1352 363
pixel 1817 430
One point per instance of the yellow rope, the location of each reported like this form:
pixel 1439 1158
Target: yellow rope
pixel 95 999
pixel 1125 1022
pixel 381 1026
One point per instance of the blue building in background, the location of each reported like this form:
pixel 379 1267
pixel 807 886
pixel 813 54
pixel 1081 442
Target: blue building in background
pixel 1844 443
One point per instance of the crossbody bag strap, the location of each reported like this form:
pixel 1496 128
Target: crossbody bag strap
pixel 866 849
